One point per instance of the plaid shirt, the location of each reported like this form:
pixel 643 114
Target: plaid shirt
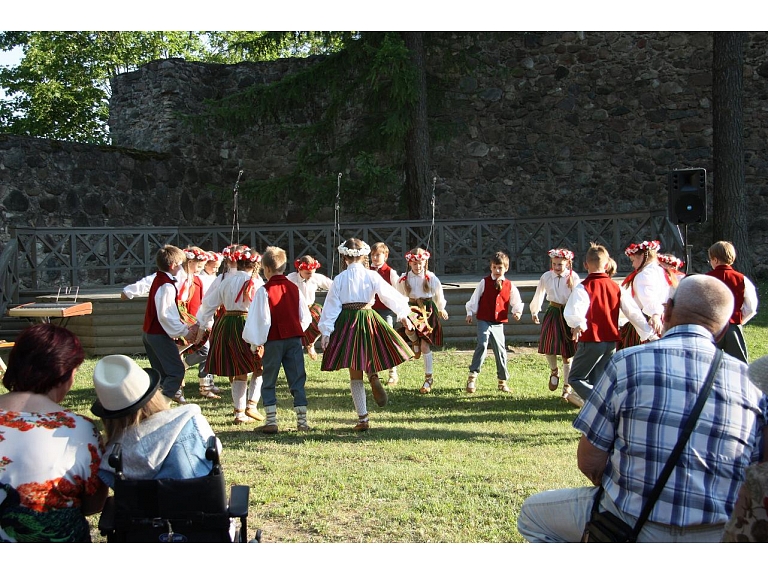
pixel 638 409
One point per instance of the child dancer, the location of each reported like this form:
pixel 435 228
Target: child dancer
pixel 356 337
pixel 210 270
pixel 494 298
pixel 557 285
pixel 721 258
pixel 277 320
pixel 379 257
pixel 649 286
pixel 229 354
pixel 308 280
pixel 425 296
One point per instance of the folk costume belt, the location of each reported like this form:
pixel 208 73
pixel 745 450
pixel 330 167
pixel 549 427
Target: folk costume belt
pixel 557 305
pixel 419 301
pixel 356 305
pixel 235 312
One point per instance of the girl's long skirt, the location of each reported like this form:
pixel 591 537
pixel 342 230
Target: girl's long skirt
pixel 426 319
pixel 363 341
pixel 230 354
pixel 628 336
pixel 555 338
pixel 312 332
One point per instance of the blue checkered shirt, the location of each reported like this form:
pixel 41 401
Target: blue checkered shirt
pixel 638 409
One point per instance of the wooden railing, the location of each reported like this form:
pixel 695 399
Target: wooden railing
pixel 43 258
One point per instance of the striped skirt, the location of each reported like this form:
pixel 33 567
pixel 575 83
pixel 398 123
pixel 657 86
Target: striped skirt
pixel 312 332
pixel 427 322
pixel 230 354
pixel 628 336
pixel 362 340
pixel 555 338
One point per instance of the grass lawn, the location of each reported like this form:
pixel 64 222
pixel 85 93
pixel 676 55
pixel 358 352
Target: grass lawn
pixel 444 467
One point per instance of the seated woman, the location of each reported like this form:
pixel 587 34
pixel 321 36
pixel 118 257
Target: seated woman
pixel 157 442
pixel 49 456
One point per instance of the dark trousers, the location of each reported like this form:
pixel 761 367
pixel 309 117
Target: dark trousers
pixel 164 356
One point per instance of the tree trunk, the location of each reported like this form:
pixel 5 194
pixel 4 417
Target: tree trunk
pixel 417 189
pixel 729 204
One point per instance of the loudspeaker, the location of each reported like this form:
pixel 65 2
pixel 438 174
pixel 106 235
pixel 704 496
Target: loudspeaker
pixel 687 196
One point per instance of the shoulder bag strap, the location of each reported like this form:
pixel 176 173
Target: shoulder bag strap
pixel 675 455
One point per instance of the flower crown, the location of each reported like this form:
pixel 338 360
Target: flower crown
pixel 215 256
pixel 364 250
pixel 422 257
pixel 671 260
pixel 307 266
pixel 197 254
pixel 561 253
pixel 244 253
pixel 642 247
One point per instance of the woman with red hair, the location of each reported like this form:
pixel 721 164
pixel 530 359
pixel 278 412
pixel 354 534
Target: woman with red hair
pixel 49 456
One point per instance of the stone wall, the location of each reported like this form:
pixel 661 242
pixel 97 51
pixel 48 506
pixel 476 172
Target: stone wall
pixel 541 124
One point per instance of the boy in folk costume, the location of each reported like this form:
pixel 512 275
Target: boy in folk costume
pixel 379 257
pixel 191 293
pixel 721 258
pixel 557 285
pixel 309 281
pixel 425 296
pixel 277 319
pixel 356 337
pixel 163 324
pixel 592 313
pixel 649 286
pixel 229 354
pixel 494 298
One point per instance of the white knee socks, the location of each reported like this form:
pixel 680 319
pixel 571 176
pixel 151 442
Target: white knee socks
pixel 358 396
pixel 238 393
pixel 428 362
pixel 551 360
pixel 566 371
pixel 254 389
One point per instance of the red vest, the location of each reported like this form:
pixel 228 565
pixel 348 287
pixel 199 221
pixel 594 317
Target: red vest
pixel 385 272
pixel 603 312
pixel 494 304
pixel 194 296
pixel 735 282
pixel 151 322
pixel 283 297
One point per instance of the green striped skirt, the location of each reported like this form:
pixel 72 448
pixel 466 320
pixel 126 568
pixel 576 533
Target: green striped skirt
pixel 362 340
pixel 230 354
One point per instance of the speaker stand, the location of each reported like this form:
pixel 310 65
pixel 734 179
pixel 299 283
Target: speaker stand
pixel 688 250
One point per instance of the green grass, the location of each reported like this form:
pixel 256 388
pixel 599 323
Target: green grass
pixel 445 467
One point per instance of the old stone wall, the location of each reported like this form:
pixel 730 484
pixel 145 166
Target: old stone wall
pixel 538 124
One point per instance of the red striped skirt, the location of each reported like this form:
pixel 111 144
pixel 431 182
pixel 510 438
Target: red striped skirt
pixel 230 354
pixel 312 332
pixel 555 338
pixel 363 341
pixel 628 336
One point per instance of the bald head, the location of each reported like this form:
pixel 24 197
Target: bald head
pixel 701 300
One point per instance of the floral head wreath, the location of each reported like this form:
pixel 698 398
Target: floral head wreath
pixel 363 250
pixel 561 253
pixel 422 257
pixel 671 260
pixel 197 254
pixel 215 256
pixel 642 247
pixel 246 255
pixel 307 266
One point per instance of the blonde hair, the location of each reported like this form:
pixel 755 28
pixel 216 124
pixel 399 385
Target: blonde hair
pixel 116 427
pixel 168 257
pixel 723 251
pixel 380 247
pixel 597 255
pixel 274 259
pixel 611 267
pixel 188 262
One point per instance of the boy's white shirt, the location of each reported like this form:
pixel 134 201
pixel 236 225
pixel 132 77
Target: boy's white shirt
pixel 259 322
pixel 308 288
pixel 168 310
pixel 575 312
pixel 516 304
pixel 142 286
pixel 749 307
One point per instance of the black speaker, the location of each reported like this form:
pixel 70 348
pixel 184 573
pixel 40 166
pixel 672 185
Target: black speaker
pixel 687 196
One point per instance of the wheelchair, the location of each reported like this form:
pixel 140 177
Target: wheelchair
pixel 175 510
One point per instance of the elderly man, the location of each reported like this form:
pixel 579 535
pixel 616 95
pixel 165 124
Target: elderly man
pixel 633 418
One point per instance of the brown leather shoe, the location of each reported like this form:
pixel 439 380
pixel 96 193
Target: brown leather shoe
pixel 379 393
pixel 554 379
pixel 268 429
pixel 361 426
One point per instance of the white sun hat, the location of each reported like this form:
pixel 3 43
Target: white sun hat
pixel 122 386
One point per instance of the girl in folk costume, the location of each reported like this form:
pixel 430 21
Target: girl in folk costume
pixel 356 337
pixel 649 286
pixel 557 285
pixel 230 355
pixel 309 281
pixel 425 296
pixel 190 297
